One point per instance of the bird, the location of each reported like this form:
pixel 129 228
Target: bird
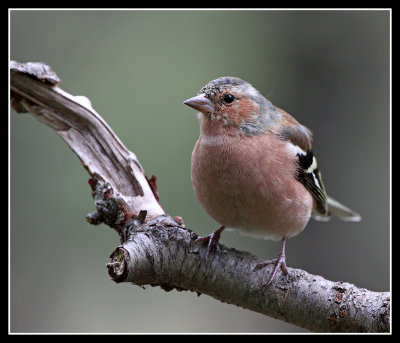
pixel 253 168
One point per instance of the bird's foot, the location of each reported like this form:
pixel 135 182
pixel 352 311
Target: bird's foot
pixel 279 262
pixel 212 240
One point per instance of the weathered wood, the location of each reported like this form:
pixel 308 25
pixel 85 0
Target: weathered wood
pixel 73 118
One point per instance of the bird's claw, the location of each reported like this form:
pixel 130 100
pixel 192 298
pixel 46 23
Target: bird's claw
pixel 279 262
pixel 212 240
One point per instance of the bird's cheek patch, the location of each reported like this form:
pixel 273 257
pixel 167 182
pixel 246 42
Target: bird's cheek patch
pixel 245 110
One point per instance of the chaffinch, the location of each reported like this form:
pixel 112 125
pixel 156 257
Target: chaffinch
pixel 253 168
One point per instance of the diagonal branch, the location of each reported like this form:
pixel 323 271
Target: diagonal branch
pixel 105 157
pixel 158 250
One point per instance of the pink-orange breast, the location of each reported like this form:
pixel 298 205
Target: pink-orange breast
pixel 248 183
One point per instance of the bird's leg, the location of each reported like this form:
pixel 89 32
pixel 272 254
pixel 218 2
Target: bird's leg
pixel 212 239
pixel 280 262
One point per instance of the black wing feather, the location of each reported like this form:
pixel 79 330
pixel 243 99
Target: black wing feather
pixel 310 176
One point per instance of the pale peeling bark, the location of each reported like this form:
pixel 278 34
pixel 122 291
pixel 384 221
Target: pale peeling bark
pixel 158 250
pixel 102 153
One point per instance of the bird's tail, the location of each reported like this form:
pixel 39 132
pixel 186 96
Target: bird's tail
pixel 337 209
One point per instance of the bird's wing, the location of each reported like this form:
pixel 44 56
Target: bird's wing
pixel 310 176
pixel 308 173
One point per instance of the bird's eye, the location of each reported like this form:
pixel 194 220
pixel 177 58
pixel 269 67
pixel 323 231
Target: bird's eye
pixel 228 98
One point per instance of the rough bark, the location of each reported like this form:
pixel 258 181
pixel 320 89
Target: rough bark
pixel 158 250
pixel 162 253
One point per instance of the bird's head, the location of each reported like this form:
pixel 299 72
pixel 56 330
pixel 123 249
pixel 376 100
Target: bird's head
pixel 231 102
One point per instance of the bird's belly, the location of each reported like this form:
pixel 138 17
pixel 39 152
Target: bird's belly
pixel 248 194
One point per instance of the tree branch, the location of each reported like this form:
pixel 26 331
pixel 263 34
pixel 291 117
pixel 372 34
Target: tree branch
pixel 111 165
pixel 158 250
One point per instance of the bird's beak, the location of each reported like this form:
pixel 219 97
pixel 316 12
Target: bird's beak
pixel 200 103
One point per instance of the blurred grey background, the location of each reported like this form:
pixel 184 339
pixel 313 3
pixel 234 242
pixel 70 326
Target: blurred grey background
pixel 330 69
